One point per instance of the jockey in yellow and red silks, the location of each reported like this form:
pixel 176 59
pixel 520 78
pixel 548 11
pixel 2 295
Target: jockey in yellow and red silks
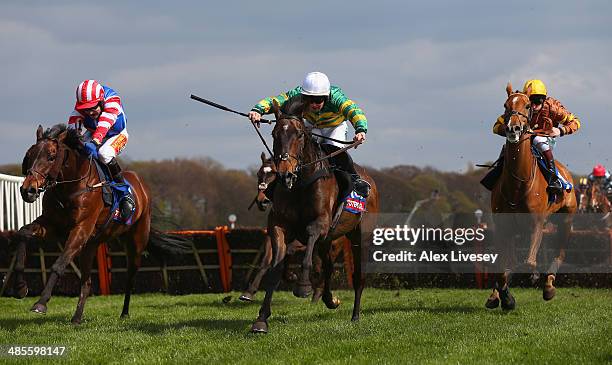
pixel 548 114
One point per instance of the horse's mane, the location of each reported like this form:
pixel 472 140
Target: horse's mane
pixel 72 140
pixel 294 107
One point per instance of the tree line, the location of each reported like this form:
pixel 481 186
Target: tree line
pixel 201 193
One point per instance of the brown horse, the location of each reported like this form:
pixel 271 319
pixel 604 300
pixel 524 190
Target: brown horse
pixel 266 177
pixel 305 201
pixel 74 213
pixel 522 189
pixel 598 203
pixel 581 195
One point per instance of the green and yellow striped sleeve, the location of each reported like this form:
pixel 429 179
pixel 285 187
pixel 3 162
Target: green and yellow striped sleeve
pixel 349 110
pixel 265 105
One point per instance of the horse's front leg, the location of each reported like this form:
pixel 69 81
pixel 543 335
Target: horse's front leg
pixel 76 240
pixel 272 277
pixel 266 261
pixel 314 231
pixel 564 230
pixel 537 229
pixel 35 230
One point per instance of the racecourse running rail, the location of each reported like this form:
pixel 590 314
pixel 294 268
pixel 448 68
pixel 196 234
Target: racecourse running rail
pixel 14 212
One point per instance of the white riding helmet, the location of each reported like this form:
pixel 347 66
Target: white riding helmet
pixel 316 84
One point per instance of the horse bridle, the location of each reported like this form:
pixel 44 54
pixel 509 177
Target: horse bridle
pixel 50 179
pixel 286 155
pixel 528 132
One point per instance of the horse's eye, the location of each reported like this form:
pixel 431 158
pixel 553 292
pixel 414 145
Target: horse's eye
pixel 51 158
pixel 527 106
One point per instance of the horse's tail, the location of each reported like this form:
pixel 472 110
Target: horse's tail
pixel 166 244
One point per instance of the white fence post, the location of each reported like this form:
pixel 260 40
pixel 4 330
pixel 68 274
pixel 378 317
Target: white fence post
pixel 14 212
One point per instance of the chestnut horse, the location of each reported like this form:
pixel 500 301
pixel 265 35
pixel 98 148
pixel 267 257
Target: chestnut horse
pixel 522 189
pixel 305 201
pixel 598 203
pixel 74 213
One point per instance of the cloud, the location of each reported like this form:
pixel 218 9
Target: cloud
pixel 430 77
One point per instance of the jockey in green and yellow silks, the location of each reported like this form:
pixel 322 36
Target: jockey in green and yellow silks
pixel 326 110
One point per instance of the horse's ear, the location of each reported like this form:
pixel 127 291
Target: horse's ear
pixel 263 157
pixel 528 91
pixel 276 109
pixel 509 88
pixel 39 133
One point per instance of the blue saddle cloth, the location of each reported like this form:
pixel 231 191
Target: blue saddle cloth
pixel 567 186
pixel 355 203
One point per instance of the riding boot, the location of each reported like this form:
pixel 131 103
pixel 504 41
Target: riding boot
pixel 554 184
pixel 344 162
pixel 126 204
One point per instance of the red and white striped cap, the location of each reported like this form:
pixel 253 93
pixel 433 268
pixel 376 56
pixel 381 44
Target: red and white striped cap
pixel 88 94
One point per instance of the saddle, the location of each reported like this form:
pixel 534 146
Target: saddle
pixel 496 169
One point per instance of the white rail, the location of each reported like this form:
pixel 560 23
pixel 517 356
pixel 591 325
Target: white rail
pixel 14 212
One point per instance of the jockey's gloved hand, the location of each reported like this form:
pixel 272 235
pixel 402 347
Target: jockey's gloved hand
pixel 91 149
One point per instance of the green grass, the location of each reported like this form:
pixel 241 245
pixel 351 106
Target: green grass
pixel 412 326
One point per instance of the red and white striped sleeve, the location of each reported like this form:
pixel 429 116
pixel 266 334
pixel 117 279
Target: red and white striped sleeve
pixel 74 119
pixel 112 108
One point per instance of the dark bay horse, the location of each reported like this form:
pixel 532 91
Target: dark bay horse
pixel 74 213
pixel 266 177
pixel 305 201
pixel 521 191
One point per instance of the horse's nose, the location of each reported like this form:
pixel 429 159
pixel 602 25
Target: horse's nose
pixel 29 195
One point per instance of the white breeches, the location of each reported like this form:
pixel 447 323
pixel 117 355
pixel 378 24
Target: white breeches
pixel 339 132
pixel 111 147
pixel 544 143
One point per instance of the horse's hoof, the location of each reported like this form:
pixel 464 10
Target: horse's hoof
pixel 302 291
pixel 493 300
pixel 354 318
pixel 124 316
pixel 259 327
pixel 492 303
pixel 507 300
pixel 246 297
pixel 21 292
pixel 535 277
pixel 331 303
pixel 39 308
pixel 549 292
pixel 316 296
pixel 75 321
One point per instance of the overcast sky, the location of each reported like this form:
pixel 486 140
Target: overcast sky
pixel 430 76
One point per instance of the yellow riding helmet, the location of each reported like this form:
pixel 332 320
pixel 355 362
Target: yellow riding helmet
pixel 537 87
